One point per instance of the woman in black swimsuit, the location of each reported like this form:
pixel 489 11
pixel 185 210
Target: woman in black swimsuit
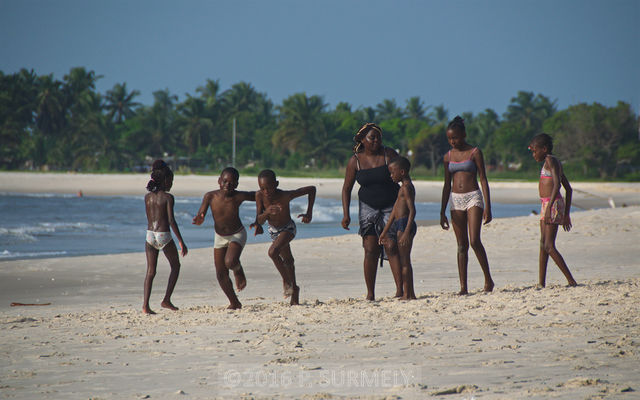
pixel 369 166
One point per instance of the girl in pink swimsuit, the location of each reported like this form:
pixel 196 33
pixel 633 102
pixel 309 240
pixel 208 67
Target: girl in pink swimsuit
pixel 554 210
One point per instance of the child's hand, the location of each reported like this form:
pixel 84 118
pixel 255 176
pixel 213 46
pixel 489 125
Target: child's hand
pixel 306 218
pixel 183 249
pixel 566 224
pixel 259 230
pixel 444 222
pixel 486 215
pixel 198 219
pixel 346 220
pixel 382 239
pixel 404 239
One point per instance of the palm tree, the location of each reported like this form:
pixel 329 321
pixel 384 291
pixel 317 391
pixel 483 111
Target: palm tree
pixel 120 104
pixel 195 125
pixel 301 122
pixel 415 108
pixel 388 109
pixel 439 114
pixel 529 110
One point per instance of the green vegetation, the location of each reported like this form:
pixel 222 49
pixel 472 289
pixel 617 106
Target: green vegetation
pixel 51 124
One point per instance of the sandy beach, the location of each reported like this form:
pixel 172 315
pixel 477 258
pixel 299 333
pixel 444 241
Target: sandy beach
pixel 92 341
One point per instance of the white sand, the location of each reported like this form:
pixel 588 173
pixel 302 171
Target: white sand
pixel 517 342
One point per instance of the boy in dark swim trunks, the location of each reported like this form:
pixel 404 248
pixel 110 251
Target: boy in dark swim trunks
pixel 401 226
pixel 272 205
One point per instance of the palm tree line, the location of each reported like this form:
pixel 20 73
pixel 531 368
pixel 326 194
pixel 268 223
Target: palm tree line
pixel 51 124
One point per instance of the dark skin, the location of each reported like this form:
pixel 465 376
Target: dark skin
pixel 466 224
pixel 160 218
pixel 372 156
pixel 272 204
pixel 548 230
pixel 225 210
pixel 405 206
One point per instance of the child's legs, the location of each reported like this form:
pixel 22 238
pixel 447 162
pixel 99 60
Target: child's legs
pixel 371 257
pixel 276 254
pixel 550 233
pixel 171 252
pixel 391 249
pixel 543 259
pixel 232 262
pixel 152 263
pixel 474 216
pixel 222 274
pixel 407 270
pixel 459 223
pixel 289 261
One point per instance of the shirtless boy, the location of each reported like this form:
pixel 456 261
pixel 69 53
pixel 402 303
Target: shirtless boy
pixel 401 226
pixel 272 205
pixel 230 234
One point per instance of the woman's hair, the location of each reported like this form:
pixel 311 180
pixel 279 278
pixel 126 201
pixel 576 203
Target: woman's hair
pixel 457 125
pixel 160 171
pixel 543 140
pixel 362 132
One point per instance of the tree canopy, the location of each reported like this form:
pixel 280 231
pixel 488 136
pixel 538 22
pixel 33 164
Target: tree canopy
pixel 52 124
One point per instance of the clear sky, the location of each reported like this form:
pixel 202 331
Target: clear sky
pixel 468 55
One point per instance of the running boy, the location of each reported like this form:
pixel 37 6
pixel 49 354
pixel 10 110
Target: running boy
pixel 230 234
pixel 159 208
pixel 555 210
pixel 401 226
pixel 272 205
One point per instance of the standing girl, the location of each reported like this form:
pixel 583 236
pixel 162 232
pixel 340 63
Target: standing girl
pixel 159 206
pixel 377 194
pixel 462 166
pixel 554 211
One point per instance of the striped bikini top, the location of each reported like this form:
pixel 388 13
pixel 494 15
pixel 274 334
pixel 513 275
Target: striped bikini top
pixel 467 165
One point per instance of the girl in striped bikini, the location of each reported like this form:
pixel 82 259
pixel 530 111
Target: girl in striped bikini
pixel 463 164
pixel 554 210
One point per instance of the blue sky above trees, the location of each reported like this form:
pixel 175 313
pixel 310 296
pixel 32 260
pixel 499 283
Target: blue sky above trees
pixel 467 55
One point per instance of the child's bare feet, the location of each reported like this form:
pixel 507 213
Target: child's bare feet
pixel 234 306
pixel 408 297
pixel 167 304
pixel 287 289
pixel 488 287
pixel 148 310
pixel 371 297
pixel 540 286
pixel 399 294
pixel 463 292
pixel 572 283
pixel 295 296
pixel 241 280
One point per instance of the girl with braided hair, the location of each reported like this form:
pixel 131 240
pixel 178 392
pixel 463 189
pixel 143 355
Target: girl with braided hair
pixel 159 207
pixel 377 194
pixel 463 165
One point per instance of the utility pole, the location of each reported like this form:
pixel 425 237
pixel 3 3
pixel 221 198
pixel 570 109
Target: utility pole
pixel 233 148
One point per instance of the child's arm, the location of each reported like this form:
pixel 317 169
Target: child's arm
pixel 556 174
pixel 410 199
pixel 349 181
pixel 446 192
pixel 392 217
pixel 566 224
pixel 246 196
pixel 174 225
pixel 482 174
pixel 199 218
pixel 311 192
pixel 259 208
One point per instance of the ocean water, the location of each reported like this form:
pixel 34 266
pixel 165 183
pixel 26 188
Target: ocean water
pixel 54 225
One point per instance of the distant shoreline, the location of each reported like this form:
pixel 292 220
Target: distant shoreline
pixel 587 195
